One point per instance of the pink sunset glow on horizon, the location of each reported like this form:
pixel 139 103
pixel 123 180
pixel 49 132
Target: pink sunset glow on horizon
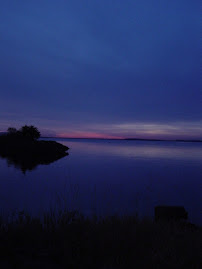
pixel 146 137
pixel 138 130
pixel 88 135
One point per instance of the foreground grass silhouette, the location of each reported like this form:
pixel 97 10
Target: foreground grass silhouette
pixel 69 240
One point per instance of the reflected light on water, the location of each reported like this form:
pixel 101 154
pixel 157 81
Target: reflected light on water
pixel 133 149
pixel 111 177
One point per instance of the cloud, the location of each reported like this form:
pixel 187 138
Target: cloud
pixel 106 67
pixel 171 130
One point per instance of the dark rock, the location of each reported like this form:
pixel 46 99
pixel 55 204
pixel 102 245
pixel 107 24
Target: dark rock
pixel 167 213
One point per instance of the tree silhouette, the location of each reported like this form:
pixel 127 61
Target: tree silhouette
pixel 12 130
pixel 30 132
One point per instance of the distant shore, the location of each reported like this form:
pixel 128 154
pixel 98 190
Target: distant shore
pixel 127 139
pixel 121 139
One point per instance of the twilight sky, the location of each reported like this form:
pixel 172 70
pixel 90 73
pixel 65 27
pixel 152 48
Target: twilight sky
pixel 101 68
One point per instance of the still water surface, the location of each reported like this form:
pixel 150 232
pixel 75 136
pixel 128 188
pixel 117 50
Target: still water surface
pixel 109 177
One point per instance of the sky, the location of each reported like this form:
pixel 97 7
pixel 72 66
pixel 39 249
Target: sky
pixel 102 69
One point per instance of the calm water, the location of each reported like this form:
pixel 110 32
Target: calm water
pixel 109 177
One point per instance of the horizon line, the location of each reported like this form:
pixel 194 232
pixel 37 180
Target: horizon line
pixel 143 139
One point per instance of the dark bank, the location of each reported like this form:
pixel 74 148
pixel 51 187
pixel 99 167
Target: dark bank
pixel 65 239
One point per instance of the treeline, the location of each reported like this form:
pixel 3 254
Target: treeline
pixel 25 131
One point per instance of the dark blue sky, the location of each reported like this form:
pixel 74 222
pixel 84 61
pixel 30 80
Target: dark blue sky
pixel 110 68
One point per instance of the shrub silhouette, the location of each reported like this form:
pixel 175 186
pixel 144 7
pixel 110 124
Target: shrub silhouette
pixel 12 130
pixel 30 132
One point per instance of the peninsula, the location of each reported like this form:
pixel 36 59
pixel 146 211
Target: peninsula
pixel 24 149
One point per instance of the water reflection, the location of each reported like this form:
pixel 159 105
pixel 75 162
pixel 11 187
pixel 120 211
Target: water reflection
pixel 29 163
pixel 108 177
pixel 140 150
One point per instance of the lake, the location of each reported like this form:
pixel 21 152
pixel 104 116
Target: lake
pixel 106 177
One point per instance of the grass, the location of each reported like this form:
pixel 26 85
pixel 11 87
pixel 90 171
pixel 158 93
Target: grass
pixel 70 240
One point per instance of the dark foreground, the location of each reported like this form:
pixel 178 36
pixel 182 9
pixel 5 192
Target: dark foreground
pixel 69 240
